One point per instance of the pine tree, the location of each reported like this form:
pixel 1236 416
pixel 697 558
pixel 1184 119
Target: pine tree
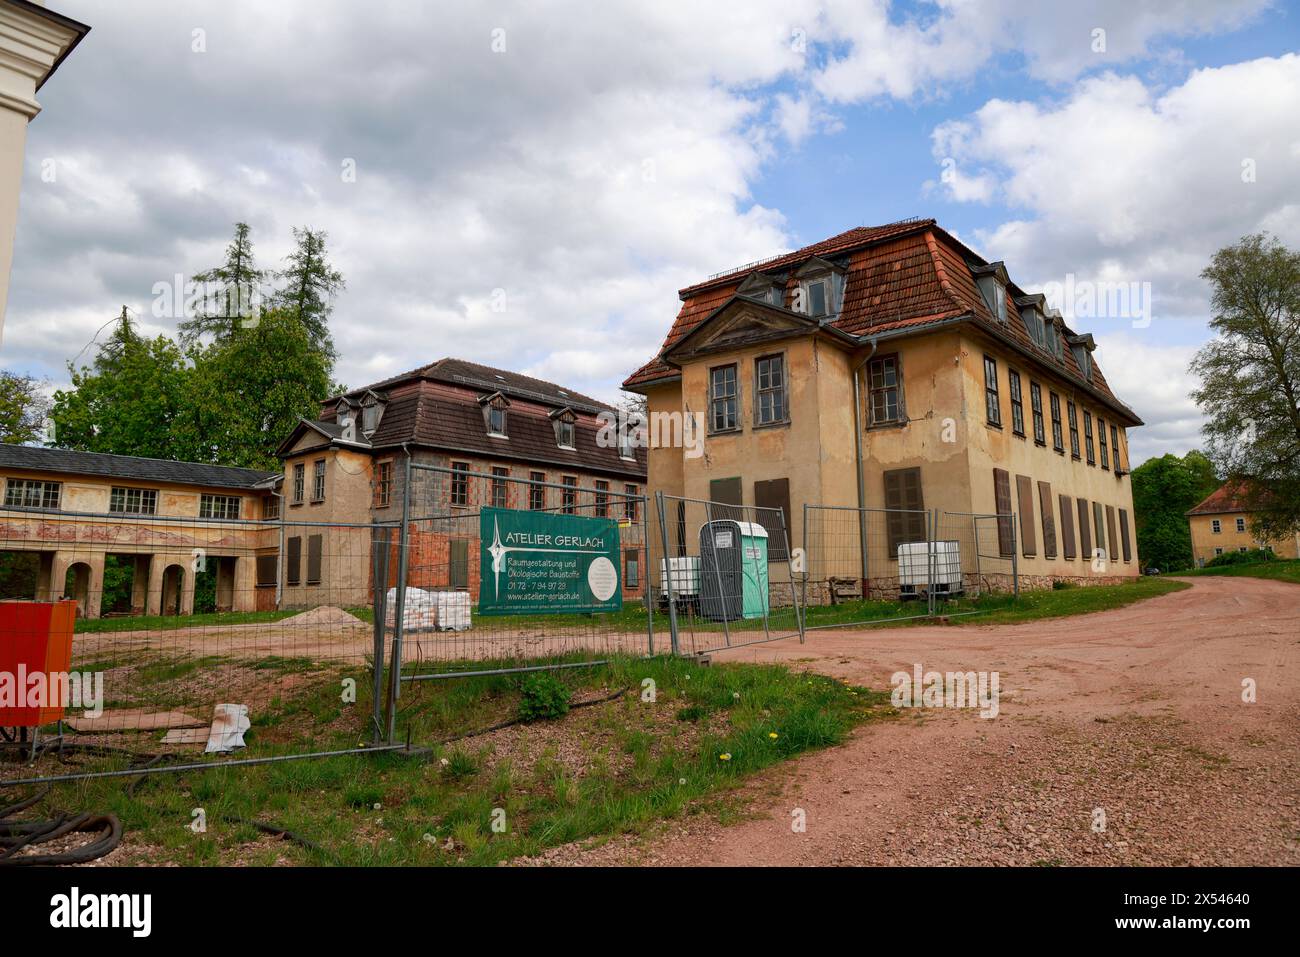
pixel 310 283
pixel 239 279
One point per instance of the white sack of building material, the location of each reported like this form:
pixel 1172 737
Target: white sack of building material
pixel 430 610
pixel 229 722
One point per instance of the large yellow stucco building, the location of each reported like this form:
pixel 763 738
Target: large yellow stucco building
pixel 899 348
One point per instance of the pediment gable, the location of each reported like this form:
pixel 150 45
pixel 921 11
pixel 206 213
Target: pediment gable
pixel 739 322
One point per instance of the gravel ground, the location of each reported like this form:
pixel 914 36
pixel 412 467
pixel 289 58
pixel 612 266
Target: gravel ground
pixel 1135 714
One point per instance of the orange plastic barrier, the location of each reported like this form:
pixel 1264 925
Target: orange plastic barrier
pixel 35 638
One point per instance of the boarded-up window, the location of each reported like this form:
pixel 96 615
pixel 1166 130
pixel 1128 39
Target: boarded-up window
pixel 314 546
pixel 768 497
pixel 458 564
pixel 905 520
pixel 266 569
pixel 632 566
pixel 1067 526
pixel 293 558
pixel 1085 530
pixel 1049 519
pixel 1123 535
pixel 1002 500
pixel 1110 533
pixel 1098 529
pixel 1025 500
pixel 728 492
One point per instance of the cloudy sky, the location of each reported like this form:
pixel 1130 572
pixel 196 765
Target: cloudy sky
pixel 528 184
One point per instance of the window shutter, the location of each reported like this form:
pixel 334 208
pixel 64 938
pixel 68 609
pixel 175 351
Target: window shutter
pixel 1110 532
pixel 1067 526
pixel 774 494
pixel 266 567
pixel 294 559
pixel 1049 520
pixel 1025 494
pixel 313 559
pixel 905 520
pixel 1098 527
pixel 1085 532
pixel 1002 498
pixel 458 563
pixel 1123 535
pixel 726 491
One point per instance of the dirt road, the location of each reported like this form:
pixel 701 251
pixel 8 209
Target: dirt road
pixel 1122 738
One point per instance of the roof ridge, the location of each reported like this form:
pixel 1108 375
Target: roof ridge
pixel 122 455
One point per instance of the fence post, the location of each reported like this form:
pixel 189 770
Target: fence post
pixel 789 567
pixel 647 576
pixel 399 610
pixel 975 534
pixel 668 575
pixel 1015 560
pixel 379 559
pixel 717 572
pixel 806 561
pixel 929 562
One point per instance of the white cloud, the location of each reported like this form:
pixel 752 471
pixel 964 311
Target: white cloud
pixel 1153 380
pixel 888 54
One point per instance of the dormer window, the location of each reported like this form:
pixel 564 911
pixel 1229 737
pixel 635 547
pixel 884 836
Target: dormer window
pixel 820 289
pixel 763 288
pixel 566 427
pixel 992 282
pixel 372 410
pixel 494 414
pixel 1052 333
pixel 1082 347
pixel 1031 313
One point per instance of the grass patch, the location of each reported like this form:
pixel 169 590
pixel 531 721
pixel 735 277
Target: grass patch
pixel 604 769
pixel 1283 570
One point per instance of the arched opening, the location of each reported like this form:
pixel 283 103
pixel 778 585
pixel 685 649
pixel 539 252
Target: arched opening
pixel 76 585
pixel 173 588
pixel 120 585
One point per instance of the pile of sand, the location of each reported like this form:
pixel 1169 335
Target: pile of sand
pixel 324 615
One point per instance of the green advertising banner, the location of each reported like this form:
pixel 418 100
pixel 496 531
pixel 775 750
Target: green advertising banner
pixel 537 563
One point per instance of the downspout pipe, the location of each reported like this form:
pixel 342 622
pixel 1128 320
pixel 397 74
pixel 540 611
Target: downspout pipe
pixel 857 460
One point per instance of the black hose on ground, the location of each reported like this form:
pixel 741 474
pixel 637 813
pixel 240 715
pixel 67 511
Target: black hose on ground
pixel 16 835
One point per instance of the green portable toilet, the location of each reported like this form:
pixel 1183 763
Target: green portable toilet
pixel 733 570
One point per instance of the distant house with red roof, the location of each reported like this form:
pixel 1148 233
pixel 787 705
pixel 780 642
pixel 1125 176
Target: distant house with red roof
pixel 1221 524
pixel 899 348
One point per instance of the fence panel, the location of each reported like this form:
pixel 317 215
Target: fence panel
pixel 723 575
pixel 923 561
pixel 190 626
pixel 447 628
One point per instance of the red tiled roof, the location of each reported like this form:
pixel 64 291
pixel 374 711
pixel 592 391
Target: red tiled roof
pixel 905 275
pixel 1228 497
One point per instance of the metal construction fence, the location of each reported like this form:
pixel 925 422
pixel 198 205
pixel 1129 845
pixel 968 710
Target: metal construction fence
pixel 927 557
pixel 300 637
pixel 194 637
pixel 723 575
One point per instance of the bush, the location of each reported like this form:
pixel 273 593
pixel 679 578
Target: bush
pixel 544 696
pixel 1240 558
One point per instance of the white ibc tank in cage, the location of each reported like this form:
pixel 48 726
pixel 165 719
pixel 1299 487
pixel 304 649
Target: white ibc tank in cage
pixel 685 573
pixel 914 567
